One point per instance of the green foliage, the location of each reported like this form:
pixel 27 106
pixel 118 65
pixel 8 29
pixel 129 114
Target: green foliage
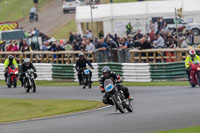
pixel 13 10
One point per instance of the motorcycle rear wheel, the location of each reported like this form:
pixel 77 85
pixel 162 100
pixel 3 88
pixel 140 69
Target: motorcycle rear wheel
pixel 129 107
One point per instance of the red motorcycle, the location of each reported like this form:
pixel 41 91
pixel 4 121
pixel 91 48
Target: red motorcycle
pixel 12 76
pixel 195 74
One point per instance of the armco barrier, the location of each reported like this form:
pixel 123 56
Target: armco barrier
pixel 62 71
pixel 44 71
pixel 136 72
pixel 94 73
pixel 168 71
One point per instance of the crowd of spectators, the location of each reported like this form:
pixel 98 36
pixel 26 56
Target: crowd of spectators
pixel 160 38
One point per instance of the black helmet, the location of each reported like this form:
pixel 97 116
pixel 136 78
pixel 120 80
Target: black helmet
pixel 10 57
pixel 27 62
pixel 106 71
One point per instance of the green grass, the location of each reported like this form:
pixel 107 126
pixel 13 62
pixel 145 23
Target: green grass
pixel 16 9
pixel 21 109
pixel 184 130
pixel 63 31
pixel 65 83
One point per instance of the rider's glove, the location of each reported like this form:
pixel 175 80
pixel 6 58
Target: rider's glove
pixel 102 89
pixel 118 78
pixel 189 69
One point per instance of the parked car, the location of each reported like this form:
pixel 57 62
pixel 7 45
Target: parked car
pixel 70 5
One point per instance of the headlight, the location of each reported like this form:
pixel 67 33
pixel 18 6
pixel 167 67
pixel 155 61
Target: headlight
pixel 198 68
pixel 16 72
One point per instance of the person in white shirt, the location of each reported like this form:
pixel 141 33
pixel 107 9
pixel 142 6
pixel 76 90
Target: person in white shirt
pixel 159 43
pixel 89 46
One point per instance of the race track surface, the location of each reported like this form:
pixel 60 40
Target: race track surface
pixel 155 109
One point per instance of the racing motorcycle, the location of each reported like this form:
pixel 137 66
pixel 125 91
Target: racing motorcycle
pixel 194 74
pixel 29 82
pixel 86 79
pixel 12 76
pixel 117 96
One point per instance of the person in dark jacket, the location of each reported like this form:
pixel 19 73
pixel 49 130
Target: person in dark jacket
pixel 26 65
pixel 108 74
pixel 80 65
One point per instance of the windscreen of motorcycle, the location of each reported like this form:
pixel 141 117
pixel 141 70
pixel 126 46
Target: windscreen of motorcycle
pixel 108 85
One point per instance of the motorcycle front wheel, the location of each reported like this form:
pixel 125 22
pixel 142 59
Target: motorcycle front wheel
pixel 118 104
pixel 34 86
pixel 15 82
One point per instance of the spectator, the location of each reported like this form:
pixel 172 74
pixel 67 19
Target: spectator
pixel 10 46
pixel 138 36
pixel 89 46
pixel 83 45
pixel 144 43
pixel 88 34
pixel 68 47
pixel 129 28
pixel 123 43
pixel 159 43
pixel 102 45
pixel 15 47
pixel 112 44
pixel 101 35
pixel 25 47
pixel 2 45
pixel 183 42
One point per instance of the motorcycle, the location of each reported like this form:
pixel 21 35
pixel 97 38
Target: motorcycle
pixel 194 74
pixel 86 79
pixel 12 76
pixel 29 82
pixel 117 96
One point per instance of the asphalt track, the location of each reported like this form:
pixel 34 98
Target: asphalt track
pixel 155 109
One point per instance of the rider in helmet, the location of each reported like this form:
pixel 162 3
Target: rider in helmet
pixel 108 74
pixel 80 65
pixel 25 66
pixel 191 58
pixel 9 62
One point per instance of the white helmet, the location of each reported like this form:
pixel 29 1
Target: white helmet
pixel 81 54
pixel 192 53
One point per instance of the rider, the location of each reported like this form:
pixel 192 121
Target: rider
pixel 25 66
pixel 108 74
pixel 191 58
pixel 80 65
pixel 9 62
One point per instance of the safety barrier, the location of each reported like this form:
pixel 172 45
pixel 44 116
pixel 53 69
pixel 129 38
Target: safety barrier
pixel 63 71
pixel 44 71
pixel 168 71
pixel 130 72
pixel 136 72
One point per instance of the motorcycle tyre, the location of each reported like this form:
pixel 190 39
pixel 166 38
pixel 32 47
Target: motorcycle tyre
pixel 15 82
pixel 34 86
pixel 119 107
pixel 129 107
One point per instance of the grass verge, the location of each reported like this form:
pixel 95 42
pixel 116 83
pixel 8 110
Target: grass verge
pixel 63 31
pixel 21 109
pixel 65 83
pixel 184 130
pixel 13 10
